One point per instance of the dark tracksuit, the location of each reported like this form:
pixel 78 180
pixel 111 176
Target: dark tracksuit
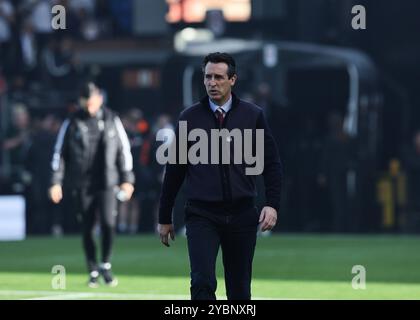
pixel 220 207
pixel 91 157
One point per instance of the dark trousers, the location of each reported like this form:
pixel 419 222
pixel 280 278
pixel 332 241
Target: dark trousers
pixel 236 234
pixel 102 203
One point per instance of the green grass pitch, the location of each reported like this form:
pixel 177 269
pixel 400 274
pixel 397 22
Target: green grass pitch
pixel 285 267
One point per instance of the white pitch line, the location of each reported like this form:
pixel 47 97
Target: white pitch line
pixel 69 295
pixel 62 295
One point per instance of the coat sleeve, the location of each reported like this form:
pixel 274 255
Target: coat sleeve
pixel 124 157
pixel 273 168
pixel 60 154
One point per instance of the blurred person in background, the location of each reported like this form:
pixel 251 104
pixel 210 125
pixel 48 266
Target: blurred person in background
pixel 60 64
pixel 130 210
pixel 84 10
pixel 92 158
pixel 7 18
pixel 39 14
pixel 163 122
pixel 18 133
pixel 17 143
pixel 25 66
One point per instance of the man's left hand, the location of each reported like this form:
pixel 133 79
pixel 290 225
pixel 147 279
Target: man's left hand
pixel 268 218
pixel 128 188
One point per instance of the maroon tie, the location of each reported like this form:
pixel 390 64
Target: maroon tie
pixel 220 115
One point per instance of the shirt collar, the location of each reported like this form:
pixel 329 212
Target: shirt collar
pixel 226 107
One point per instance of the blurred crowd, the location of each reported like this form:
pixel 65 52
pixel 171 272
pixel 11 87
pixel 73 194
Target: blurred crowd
pixel 28 147
pixel 38 65
pixel 31 51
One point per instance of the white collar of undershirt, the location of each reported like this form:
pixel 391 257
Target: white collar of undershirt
pixel 226 107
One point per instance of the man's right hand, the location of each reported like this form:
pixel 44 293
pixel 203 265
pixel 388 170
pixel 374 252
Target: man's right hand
pixel 166 230
pixel 56 193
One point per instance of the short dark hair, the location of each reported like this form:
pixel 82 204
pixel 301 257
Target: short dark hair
pixel 87 88
pixel 221 57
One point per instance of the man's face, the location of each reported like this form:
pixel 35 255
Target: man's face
pixel 93 103
pixel 218 85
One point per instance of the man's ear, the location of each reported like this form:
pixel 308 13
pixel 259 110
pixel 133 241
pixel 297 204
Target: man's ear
pixel 233 79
